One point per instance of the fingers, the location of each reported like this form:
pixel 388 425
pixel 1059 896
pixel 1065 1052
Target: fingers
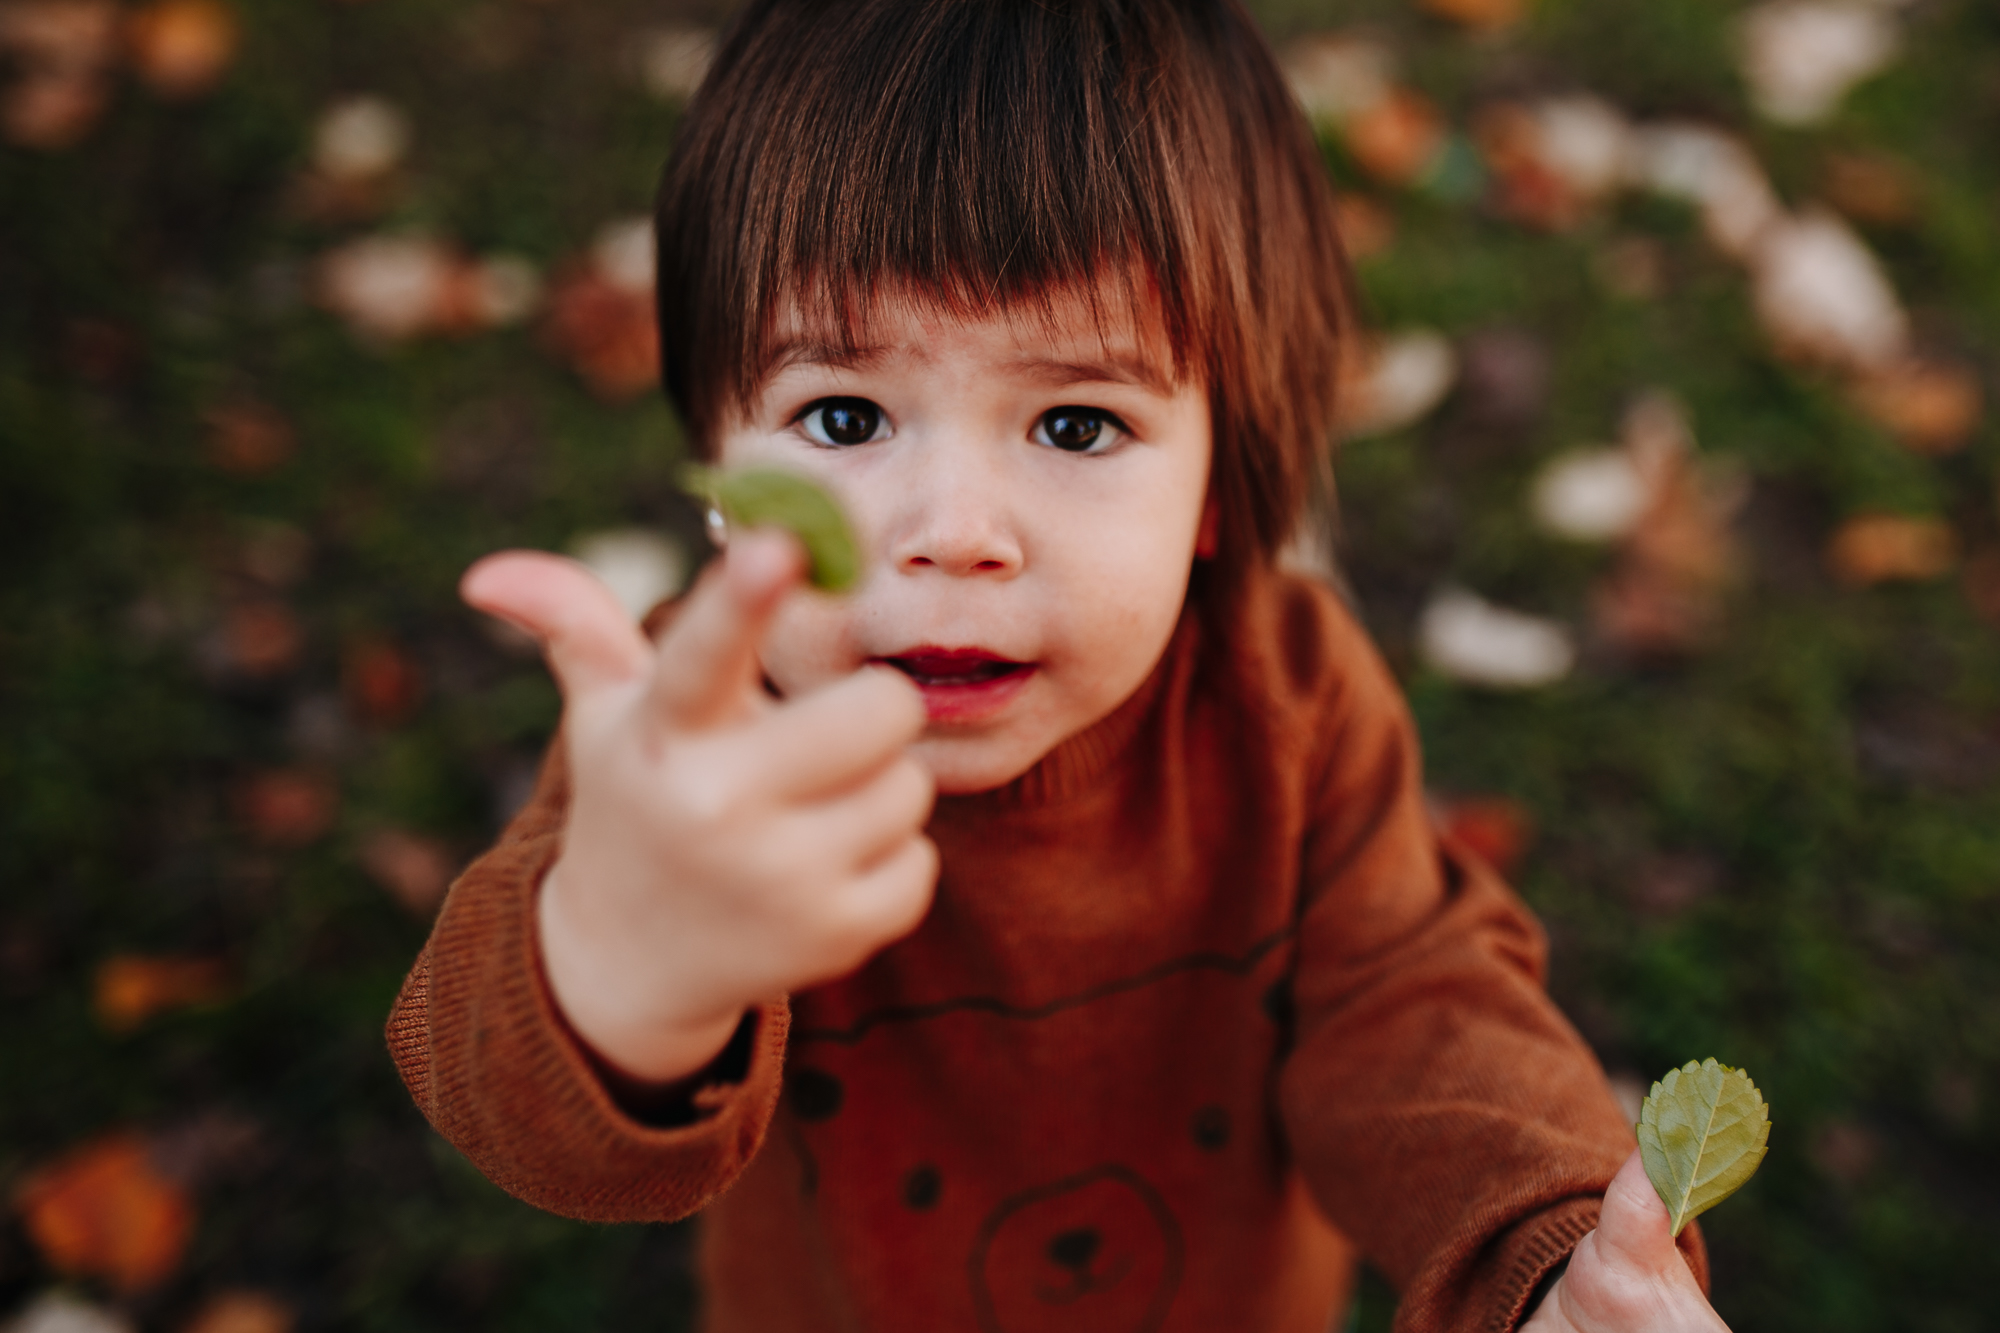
pixel 709 655
pixel 891 898
pixel 588 638
pixel 827 741
pixel 867 826
pixel 1634 1228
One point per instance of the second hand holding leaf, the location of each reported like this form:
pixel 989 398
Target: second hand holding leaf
pixel 721 848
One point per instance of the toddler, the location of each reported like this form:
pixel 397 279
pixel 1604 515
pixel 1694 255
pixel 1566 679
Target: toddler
pixel 1049 935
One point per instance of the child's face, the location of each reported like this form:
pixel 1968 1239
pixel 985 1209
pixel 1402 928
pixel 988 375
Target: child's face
pixel 1029 499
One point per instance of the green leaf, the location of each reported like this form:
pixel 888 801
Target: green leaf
pixel 1701 1135
pixel 768 497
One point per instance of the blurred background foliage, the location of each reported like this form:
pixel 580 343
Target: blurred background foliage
pixel 305 304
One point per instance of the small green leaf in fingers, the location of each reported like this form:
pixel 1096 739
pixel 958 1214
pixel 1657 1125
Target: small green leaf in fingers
pixel 1701 1135
pixel 769 497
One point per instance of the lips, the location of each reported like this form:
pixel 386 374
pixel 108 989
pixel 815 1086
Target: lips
pixel 962 684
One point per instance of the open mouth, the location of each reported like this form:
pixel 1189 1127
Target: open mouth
pixel 959 666
pixel 962 685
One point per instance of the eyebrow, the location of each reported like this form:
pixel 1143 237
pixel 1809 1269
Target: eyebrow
pixel 1113 369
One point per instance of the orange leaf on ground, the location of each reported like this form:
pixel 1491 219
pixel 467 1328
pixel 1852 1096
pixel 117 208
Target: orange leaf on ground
pixel 1366 227
pixel 606 333
pixel 242 1312
pixel 415 869
pixel 287 807
pixel 1872 188
pixel 261 639
pixel 1478 13
pixel 1879 548
pixel 382 684
pixel 132 988
pixel 1397 139
pixel 182 48
pixel 1499 830
pixel 60 53
pixel 248 439
pixel 1931 406
pixel 105 1211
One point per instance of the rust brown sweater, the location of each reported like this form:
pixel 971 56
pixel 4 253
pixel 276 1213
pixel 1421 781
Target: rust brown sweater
pixel 1199 984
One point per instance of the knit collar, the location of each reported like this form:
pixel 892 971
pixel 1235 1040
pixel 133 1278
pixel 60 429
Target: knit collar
pixel 1075 765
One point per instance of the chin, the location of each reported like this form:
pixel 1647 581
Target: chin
pixel 966 767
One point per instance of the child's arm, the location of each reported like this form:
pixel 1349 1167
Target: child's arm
pixel 1447 1117
pixel 694 850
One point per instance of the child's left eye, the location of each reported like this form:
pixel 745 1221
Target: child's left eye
pixel 1079 430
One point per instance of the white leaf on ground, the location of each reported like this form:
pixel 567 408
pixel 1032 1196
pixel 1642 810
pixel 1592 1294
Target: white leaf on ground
pixel 1822 295
pixel 1592 495
pixel 1472 640
pixel 1399 382
pixel 1800 57
pixel 1338 76
pixel 1713 171
pixel 360 138
pixel 388 287
pixel 624 256
pixel 60 1312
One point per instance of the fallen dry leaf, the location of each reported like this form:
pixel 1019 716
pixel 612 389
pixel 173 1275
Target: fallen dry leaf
pixel 60 1312
pixel 360 139
pixel 1982 586
pixel 260 639
pixel 1845 1151
pixel 1366 227
pixel 605 332
pixel 1933 407
pixel 1872 188
pixel 132 988
pixel 1714 171
pixel 415 869
pixel 1338 76
pixel 1679 555
pixel 1489 15
pixel 1395 381
pixel 182 48
pixel 242 1312
pixel 103 1210
pixel 1470 639
pixel 1398 139
pixel 1553 161
pixel 383 685
pixel 1499 830
pixel 1801 56
pixel 248 438
pixel 1823 298
pixel 287 807
pixel 61 53
pixel 1880 548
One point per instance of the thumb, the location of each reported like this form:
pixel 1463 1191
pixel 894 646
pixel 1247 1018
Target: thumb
pixel 588 638
pixel 1634 1229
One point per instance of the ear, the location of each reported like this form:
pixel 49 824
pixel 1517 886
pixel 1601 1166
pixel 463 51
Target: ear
pixel 1208 537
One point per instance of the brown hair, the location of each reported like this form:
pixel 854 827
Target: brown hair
pixel 988 153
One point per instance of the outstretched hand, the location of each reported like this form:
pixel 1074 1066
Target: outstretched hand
pixel 1627 1276
pixel 721 848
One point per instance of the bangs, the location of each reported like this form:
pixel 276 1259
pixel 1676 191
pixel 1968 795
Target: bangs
pixel 1010 155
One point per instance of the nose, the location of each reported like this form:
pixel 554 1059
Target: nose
pixel 957 520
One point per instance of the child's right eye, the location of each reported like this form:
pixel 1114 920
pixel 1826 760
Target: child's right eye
pixel 840 421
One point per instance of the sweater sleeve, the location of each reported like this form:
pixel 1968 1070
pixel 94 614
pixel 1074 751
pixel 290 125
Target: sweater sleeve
pixel 1446 1116
pixel 495 1068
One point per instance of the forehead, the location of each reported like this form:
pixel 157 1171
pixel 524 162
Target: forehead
pixel 1114 327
